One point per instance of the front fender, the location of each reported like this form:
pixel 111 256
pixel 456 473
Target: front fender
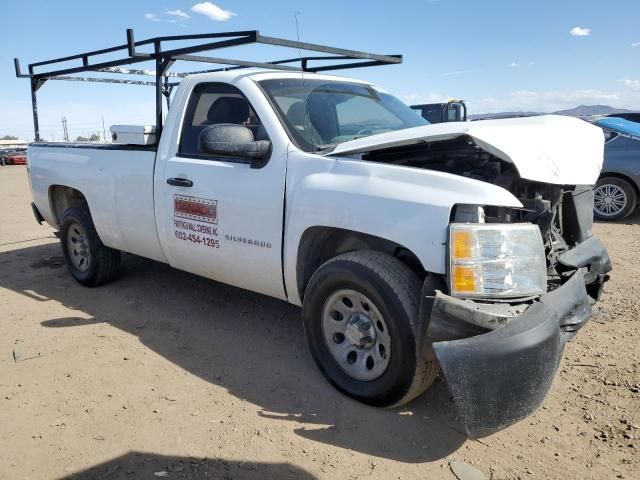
pixel 408 206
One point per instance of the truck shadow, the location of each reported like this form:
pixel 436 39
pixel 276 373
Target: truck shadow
pixel 135 465
pixel 250 344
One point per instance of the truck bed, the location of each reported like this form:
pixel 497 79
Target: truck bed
pixel 117 182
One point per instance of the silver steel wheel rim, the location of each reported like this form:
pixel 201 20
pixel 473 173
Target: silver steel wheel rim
pixel 356 334
pixel 78 247
pixel 609 200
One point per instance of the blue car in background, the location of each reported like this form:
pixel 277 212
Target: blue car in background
pixel 616 193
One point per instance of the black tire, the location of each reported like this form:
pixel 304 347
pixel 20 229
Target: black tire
pixel 630 195
pixel 396 291
pixel 104 265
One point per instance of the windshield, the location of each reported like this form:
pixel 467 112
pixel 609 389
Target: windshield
pixel 319 114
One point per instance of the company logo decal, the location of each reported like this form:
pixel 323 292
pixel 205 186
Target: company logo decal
pixel 192 208
pixel 195 221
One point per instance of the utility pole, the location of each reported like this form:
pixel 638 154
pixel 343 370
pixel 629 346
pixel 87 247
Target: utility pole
pixel 64 129
pixel 104 131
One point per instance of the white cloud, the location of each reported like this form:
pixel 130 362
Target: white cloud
pixel 420 98
pixel 212 11
pixel 151 16
pixel 633 85
pixel 178 13
pixel 580 32
pixel 539 100
pixel 553 100
pixel 513 64
pixel 634 45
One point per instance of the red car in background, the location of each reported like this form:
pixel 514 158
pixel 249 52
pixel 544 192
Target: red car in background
pixel 14 159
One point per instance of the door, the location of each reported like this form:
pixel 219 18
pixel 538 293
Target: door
pixel 217 216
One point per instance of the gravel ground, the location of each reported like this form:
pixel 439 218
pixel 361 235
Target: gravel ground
pixel 162 373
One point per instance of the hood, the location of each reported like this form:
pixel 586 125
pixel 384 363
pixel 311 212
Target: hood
pixel 547 148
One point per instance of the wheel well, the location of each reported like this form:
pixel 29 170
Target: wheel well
pixel 621 177
pixel 62 197
pixel 319 244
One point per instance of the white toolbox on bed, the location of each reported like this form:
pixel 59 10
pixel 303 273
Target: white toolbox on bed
pixel 133 134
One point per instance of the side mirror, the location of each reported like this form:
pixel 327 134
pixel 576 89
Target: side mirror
pixel 232 140
pixel 456 112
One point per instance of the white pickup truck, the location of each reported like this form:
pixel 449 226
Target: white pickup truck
pixel 411 248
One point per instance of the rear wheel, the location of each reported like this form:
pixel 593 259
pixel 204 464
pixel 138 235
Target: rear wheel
pixel 613 199
pixel 89 261
pixel 361 319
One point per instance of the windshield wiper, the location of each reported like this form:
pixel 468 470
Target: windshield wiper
pixel 325 148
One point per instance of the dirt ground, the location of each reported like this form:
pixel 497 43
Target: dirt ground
pixel 165 374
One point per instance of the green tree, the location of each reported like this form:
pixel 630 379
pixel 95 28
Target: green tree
pixel 94 137
pixel 9 137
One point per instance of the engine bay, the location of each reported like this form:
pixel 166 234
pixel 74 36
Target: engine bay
pixel 562 212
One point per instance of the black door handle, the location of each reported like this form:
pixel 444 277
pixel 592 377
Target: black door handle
pixel 180 182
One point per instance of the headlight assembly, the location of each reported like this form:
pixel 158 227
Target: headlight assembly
pixel 496 260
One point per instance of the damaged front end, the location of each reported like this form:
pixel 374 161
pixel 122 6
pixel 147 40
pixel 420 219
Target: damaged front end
pixel 499 355
pixel 519 282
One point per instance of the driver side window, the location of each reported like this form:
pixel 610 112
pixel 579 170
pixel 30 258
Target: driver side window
pixel 216 103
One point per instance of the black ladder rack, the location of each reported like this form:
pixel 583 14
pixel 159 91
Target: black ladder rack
pixel 165 58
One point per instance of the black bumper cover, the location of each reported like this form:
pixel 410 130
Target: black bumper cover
pixel 36 213
pixel 500 376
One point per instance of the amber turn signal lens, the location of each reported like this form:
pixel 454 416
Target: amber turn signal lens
pixel 462 241
pixel 464 280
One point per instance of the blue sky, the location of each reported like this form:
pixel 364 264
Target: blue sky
pixel 499 55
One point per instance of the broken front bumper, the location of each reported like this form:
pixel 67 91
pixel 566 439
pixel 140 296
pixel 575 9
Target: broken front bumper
pixel 499 360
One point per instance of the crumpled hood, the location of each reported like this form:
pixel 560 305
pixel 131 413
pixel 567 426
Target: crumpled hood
pixel 547 148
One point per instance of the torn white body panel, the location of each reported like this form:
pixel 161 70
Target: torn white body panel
pixel 547 148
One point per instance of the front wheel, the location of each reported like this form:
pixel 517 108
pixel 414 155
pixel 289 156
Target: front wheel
pixel 361 320
pixel 90 262
pixel 613 199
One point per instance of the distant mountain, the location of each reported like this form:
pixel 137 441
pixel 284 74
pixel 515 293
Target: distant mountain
pixel 586 110
pixel 478 116
pixel 581 111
